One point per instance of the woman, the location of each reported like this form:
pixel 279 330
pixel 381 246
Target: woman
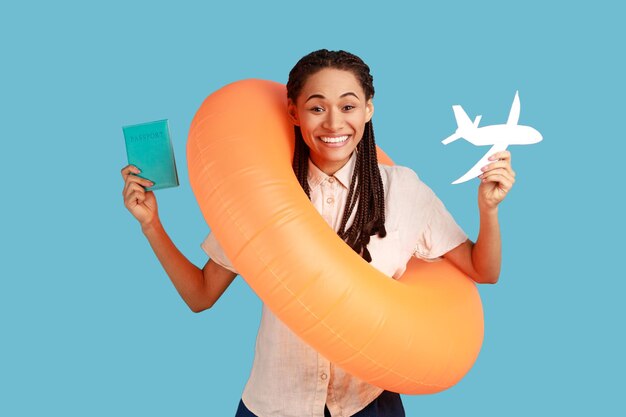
pixel 386 214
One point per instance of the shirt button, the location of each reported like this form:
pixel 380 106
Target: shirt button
pixel 330 200
pixel 331 180
pixel 323 376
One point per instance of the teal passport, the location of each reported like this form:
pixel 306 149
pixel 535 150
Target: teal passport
pixel 149 148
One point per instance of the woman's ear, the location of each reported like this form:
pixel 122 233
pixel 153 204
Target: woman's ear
pixel 369 109
pixel 293 112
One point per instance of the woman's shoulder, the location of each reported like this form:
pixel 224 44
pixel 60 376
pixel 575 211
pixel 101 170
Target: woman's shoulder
pixel 394 175
pixel 402 183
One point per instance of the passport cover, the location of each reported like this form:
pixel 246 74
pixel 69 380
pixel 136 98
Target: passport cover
pixel 149 148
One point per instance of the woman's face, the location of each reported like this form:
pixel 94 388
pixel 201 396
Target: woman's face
pixel 331 111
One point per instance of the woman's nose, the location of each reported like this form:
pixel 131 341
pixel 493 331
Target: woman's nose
pixel 333 121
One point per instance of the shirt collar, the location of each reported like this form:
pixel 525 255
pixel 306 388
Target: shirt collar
pixel 316 176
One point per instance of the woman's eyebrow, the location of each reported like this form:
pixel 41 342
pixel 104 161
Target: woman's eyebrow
pixel 312 96
pixel 349 93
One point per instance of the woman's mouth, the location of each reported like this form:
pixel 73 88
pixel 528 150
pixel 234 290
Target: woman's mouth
pixel 334 139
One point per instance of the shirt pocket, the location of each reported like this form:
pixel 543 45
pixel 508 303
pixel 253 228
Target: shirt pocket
pixel 386 253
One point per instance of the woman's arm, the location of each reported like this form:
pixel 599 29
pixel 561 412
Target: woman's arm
pixel 199 288
pixel 482 260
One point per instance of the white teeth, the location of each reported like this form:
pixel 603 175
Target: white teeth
pixel 334 140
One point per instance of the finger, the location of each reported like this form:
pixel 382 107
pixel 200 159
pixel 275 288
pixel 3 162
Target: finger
pixel 129 169
pixel 498 171
pixel 134 198
pixel 504 183
pixel 502 164
pixel 505 180
pixel 133 187
pixel 503 155
pixel 134 179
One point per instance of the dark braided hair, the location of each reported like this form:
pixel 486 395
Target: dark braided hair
pixel 366 185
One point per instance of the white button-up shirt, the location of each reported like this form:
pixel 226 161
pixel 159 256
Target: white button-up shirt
pixel 288 377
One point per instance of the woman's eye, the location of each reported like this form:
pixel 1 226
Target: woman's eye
pixel 317 109
pixel 348 107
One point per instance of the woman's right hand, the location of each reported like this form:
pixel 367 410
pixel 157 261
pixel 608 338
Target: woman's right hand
pixel 141 203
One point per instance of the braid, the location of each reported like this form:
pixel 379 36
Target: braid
pixel 366 181
pixel 366 192
pixel 300 162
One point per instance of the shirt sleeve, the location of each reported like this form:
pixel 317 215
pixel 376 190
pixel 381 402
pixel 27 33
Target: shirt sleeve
pixel 213 248
pixel 440 233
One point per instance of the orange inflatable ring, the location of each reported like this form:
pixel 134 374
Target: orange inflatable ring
pixel 417 335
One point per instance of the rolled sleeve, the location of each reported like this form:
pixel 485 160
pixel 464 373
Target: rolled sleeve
pixel 440 234
pixel 212 247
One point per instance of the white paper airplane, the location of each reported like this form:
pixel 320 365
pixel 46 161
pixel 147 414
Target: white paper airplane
pixel 499 136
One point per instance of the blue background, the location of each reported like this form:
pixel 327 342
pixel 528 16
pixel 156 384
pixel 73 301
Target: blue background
pixel 90 324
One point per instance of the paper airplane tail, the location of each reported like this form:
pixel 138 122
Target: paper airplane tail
pixel 462 120
pixel 451 138
pixel 463 123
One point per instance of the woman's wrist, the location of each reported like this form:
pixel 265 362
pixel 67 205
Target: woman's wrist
pixel 487 211
pixel 151 227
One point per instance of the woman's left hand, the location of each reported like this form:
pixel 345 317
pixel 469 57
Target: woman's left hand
pixel 496 180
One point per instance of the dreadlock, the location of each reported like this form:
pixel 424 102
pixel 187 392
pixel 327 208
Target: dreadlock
pixel 366 187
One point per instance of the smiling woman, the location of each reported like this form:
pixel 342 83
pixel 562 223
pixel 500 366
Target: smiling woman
pixel 385 214
pixel 419 334
pixel 330 97
pixel 331 112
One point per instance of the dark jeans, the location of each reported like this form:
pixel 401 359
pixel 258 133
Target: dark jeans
pixel 388 404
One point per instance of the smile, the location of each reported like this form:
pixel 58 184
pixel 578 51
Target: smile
pixel 336 139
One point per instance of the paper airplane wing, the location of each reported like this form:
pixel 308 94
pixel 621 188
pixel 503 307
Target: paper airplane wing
pixel 514 113
pixel 476 169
